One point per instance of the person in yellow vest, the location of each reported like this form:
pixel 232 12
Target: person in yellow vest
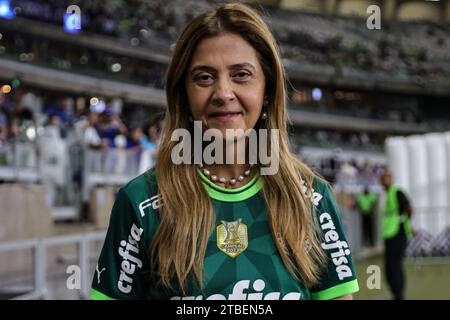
pixel 396 229
pixel 366 203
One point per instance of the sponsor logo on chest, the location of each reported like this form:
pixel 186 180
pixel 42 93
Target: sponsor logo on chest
pixel 243 291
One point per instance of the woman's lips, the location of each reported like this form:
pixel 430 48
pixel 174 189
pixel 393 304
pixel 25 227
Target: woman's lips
pixel 225 117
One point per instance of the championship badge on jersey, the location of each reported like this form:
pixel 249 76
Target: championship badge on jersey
pixel 232 237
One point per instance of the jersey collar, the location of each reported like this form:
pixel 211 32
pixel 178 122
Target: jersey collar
pixel 232 195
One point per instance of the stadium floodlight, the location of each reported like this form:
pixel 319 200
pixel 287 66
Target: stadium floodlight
pixel 5 10
pixel 317 94
pixel 116 67
pixel 5 89
pixel 93 101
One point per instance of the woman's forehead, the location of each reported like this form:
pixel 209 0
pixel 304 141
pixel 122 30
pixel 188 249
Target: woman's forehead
pixel 226 49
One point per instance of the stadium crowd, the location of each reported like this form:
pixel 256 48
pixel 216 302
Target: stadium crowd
pixel 405 50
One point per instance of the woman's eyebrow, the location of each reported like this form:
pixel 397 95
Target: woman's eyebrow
pixel 242 65
pixel 231 67
pixel 202 68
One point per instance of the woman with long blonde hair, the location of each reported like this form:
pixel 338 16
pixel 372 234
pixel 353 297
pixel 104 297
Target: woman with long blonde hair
pixel 260 225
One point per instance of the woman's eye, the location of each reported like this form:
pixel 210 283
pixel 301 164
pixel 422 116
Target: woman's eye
pixel 241 75
pixel 203 78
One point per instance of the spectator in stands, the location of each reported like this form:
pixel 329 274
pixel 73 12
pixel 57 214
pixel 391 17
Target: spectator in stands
pixel 4 130
pixel 21 119
pixel 4 123
pixel 347 173
pixel 150 142
pixel 134 148
pixel 134 139
pixel 152 132
pixel 52 127
pixel 109 127
pixel 90 136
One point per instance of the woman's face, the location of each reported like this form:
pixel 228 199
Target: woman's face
pixel 225 83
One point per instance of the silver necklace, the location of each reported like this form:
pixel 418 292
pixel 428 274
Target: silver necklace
pixel 232 181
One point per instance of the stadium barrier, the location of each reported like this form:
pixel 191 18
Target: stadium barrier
pixel 40 268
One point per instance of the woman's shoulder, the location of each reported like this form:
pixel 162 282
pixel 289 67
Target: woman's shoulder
pixel 142 181
pixel 323 197
pixel 142 188
pixel 316 189
pixel 320 185
pixel 310 179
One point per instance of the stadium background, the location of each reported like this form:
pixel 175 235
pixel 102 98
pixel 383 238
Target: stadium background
pixel 359 100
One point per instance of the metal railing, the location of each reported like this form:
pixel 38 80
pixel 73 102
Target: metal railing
pixel 40 247
pixel 24 162
pixel 114 167
pixel 19 162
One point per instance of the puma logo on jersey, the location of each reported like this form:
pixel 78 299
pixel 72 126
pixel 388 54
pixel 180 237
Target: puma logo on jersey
pixel 99 272
pixel 238 293
pixel 332 242
pixel 151 202
pixel 129 251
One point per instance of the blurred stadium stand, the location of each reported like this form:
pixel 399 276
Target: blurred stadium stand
pixel 74 107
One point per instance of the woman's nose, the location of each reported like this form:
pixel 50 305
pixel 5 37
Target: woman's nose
pixel 223 92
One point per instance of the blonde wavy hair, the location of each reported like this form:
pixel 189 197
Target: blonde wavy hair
pixel 187 217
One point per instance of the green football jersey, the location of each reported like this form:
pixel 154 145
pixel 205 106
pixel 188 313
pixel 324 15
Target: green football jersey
pixel 241 261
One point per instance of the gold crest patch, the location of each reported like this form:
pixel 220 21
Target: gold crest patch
pixel 232 237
